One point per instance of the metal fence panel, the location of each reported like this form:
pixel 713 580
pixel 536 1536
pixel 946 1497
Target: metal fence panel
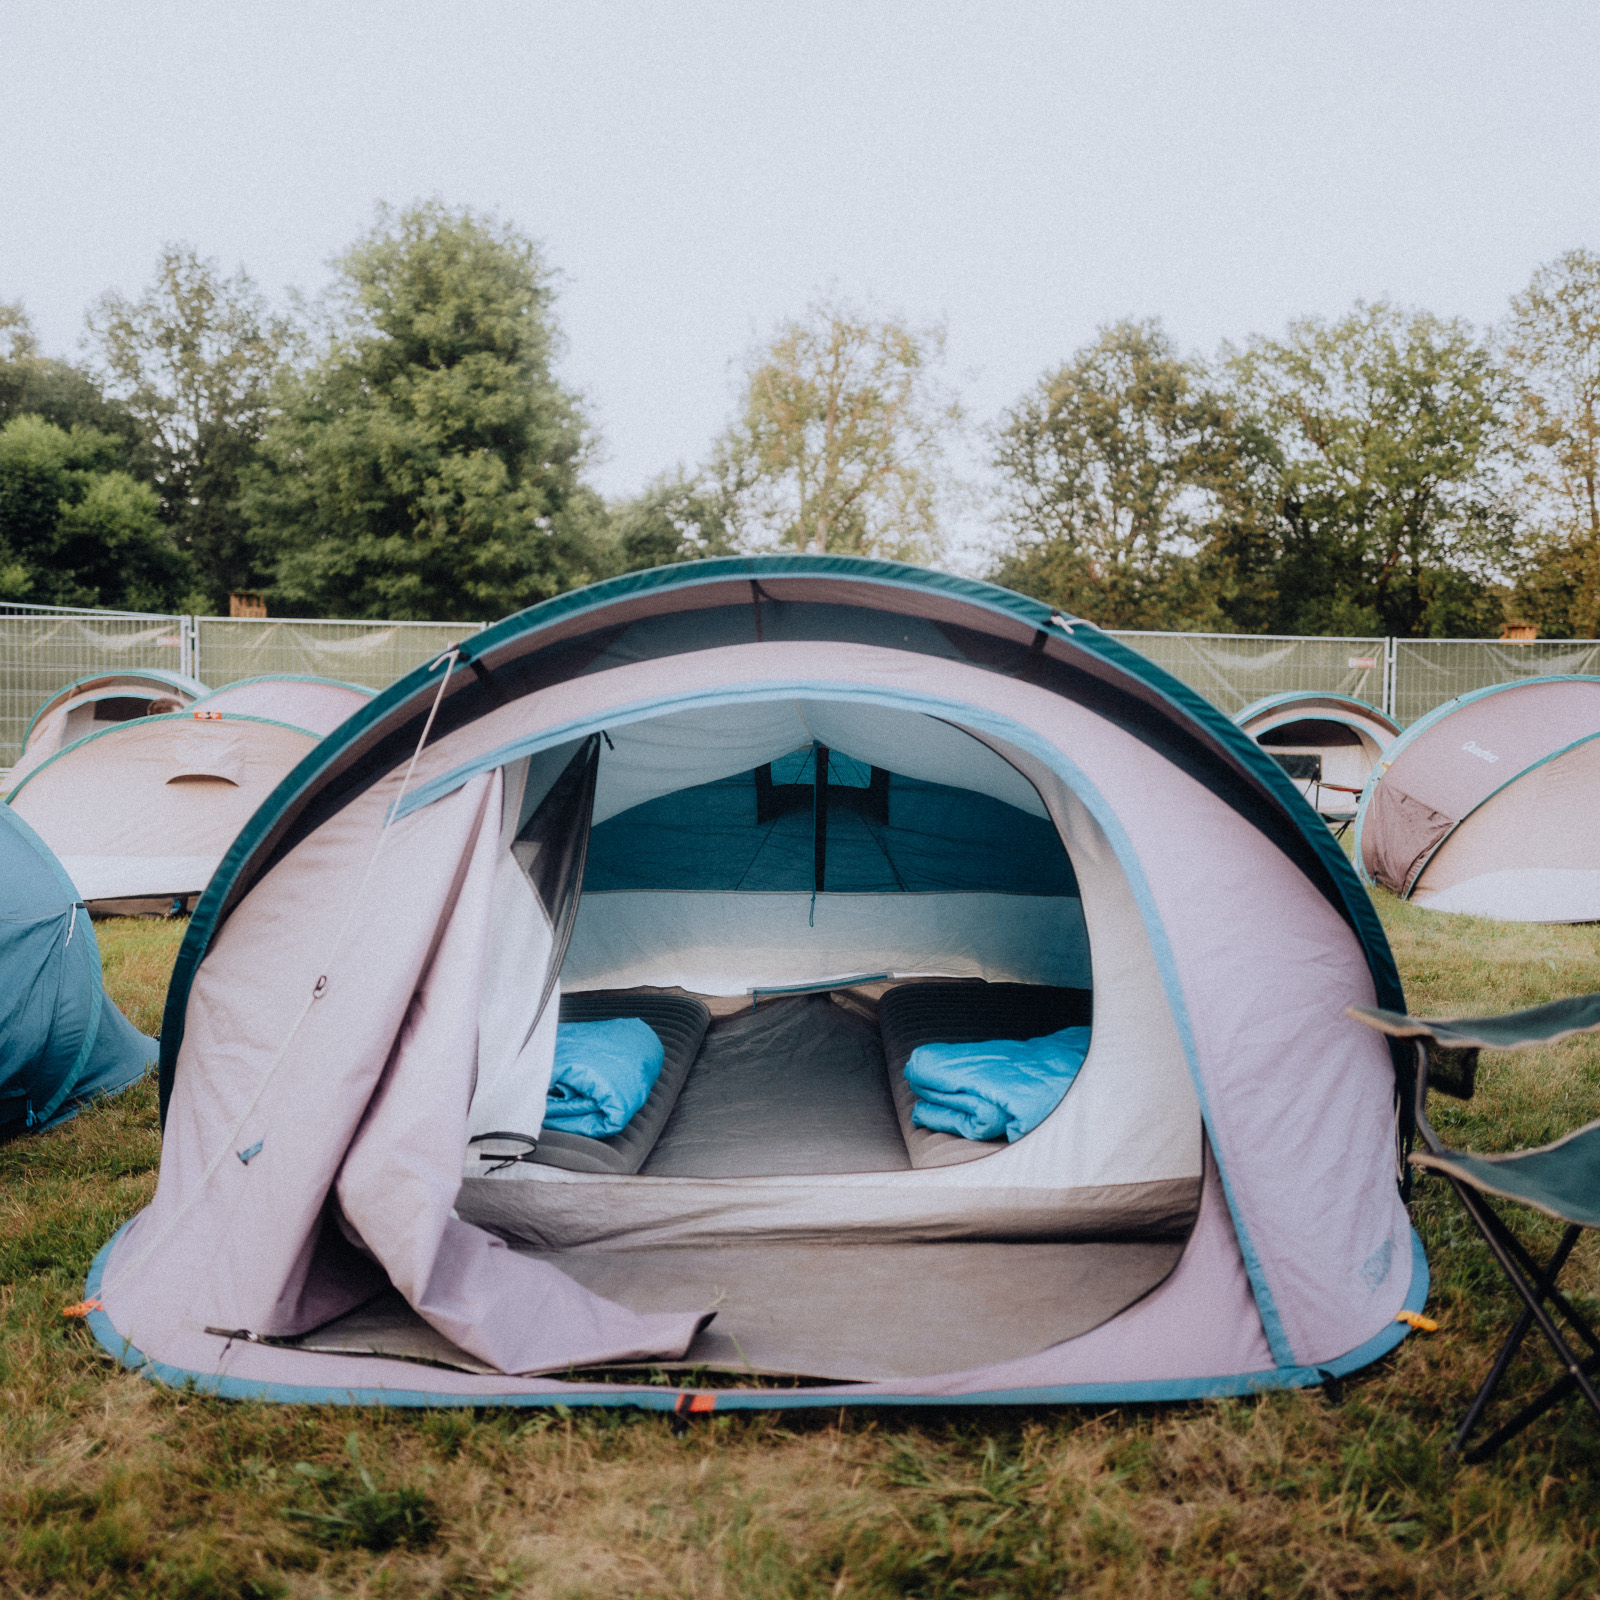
pixel 1232 669
pixel 43 649
pixel 1431 671
pixel 369 653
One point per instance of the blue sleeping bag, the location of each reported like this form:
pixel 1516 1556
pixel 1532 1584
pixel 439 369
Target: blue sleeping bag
pixel 1003 1086
pixel 604 1071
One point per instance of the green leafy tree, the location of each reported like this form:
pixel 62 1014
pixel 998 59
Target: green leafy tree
pixel 426 465
pixel 678 517
pixel 1387 441
pixel 840 440
pixel 1552 351
pixel 1118 470
pixel 76 531
pixel 192 359
pixel 35 385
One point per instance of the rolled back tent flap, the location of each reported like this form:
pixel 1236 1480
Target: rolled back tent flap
pixel 144 810
pixel 817 799
pixel 62 1041
pixel 1487 805
pixel 317 704
pixel 1327 743
pixel 91 704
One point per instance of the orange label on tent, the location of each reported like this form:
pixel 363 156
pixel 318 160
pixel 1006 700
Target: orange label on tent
pixel 82 1309
pixel 208 716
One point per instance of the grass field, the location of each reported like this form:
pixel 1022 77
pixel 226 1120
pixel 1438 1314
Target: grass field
pixel 111 1486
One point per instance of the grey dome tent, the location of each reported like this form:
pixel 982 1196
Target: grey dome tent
pixel 1327 743
pixel 301 700
pixel 140 812
pixel 1488 805
pixel 800 815
pixel 62 1041
pixel 91 704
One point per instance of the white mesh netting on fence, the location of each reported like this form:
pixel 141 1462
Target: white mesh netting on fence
pixel 42 649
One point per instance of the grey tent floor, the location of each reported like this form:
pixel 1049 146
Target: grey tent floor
pixel 846 1312
pixel 798 1085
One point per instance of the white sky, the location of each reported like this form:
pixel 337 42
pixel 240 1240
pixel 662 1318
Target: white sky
pixel 697 170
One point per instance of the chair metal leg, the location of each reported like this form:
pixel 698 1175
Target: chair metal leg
pixel 1514 1340
pixel 1557 1392
pixel 1507 1251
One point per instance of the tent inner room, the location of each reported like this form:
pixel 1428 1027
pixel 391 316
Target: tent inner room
pixel 799 900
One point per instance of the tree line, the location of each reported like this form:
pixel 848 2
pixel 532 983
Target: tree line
pixel 402 447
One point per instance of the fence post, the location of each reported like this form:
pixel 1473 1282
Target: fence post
pixel 1390 661
pixel 189 648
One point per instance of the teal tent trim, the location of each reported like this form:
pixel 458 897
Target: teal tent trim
pixel 1267 702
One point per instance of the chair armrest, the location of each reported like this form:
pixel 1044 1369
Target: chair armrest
pixel 1546 1024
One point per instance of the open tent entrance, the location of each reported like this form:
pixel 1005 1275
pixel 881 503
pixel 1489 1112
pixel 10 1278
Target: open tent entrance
pixel 794 895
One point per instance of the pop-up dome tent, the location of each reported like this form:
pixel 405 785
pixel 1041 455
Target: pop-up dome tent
pixel 141 812
pixel 1488 805
pixel 801 815
pixel 62 1041
pixel 1327 743
pixel 90 704
pixel 319 704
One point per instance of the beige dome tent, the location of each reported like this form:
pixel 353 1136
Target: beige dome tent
pixel 92 704
pixel 792 819
pixel 1490 805
pixel 143 811
pixel 319 704
pixel 1327 743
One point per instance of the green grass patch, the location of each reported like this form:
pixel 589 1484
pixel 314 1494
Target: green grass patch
pixel 110 1486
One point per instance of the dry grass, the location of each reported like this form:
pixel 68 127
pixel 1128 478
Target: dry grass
pixel 110 1486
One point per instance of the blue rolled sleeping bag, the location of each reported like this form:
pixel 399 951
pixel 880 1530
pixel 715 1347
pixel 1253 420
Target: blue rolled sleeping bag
pixel 604 1071
pixel 1000 1087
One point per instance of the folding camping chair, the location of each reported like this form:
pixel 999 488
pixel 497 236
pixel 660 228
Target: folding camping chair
pixel 1560 1179
pixel 1339 821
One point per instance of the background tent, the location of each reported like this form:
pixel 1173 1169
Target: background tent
pixel 319 704
pixel 90 704
pixel 632 791
pixel 144 810
pixel 1488 805
pixel 62 1041
pixel 1327 743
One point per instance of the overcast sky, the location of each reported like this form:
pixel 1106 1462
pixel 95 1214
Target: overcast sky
pixel 697 171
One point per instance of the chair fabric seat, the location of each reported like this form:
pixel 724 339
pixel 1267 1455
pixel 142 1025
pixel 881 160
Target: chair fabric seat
pixel 1560 1179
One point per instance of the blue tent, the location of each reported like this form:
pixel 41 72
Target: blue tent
pixel 62 1041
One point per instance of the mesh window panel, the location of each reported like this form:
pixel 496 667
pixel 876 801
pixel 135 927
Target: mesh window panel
pixel 42 651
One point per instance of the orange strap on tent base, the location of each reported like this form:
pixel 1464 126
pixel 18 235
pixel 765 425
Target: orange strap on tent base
pixel 1415 1319
pixel 82 1309
pixel 690 1404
